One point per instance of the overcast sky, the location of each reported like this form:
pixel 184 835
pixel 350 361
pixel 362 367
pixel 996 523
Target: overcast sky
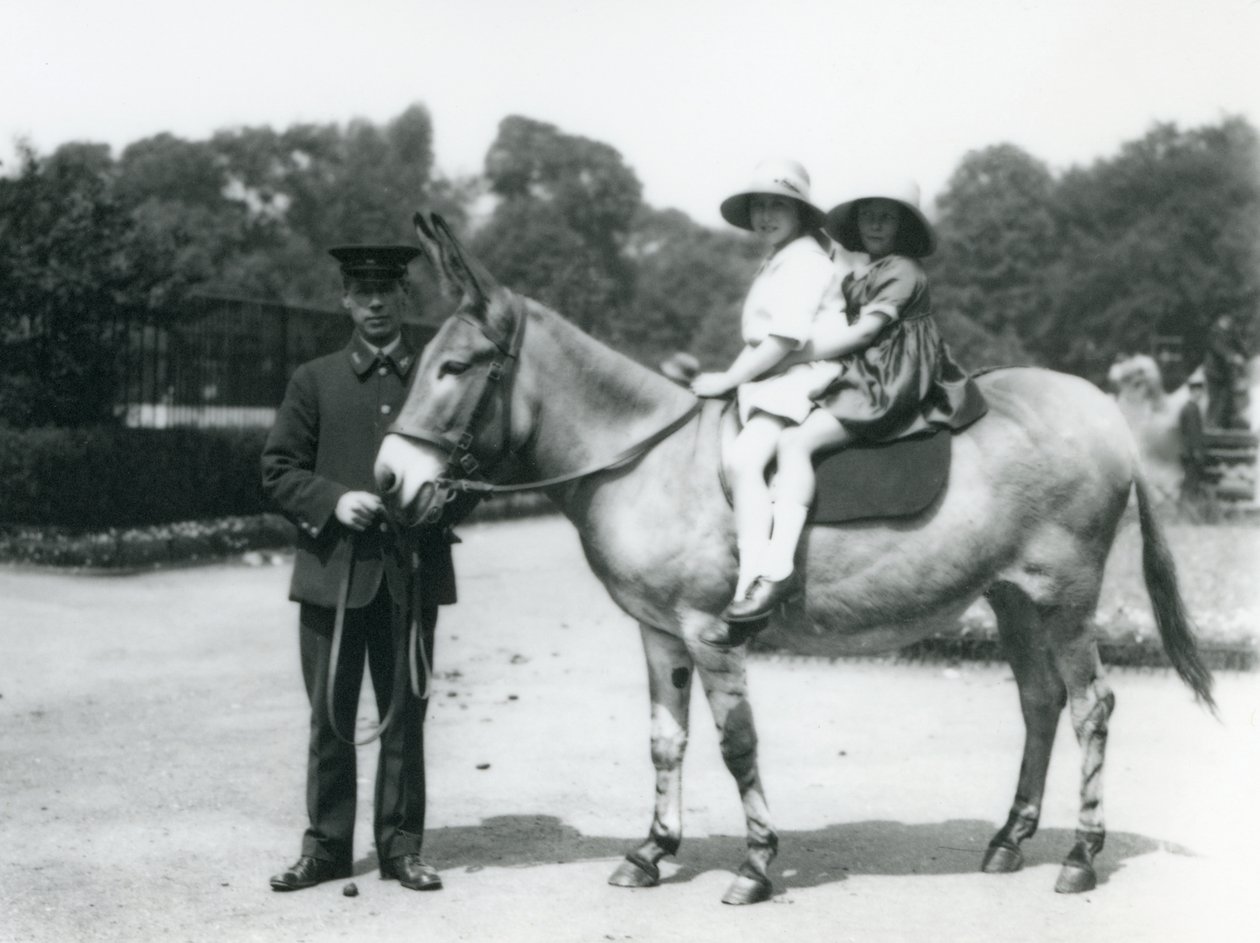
pixel 691 92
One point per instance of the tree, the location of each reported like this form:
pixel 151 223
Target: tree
pixel 1160 239
pixel 565 208
pixel 690 283
pixel 996 242
pixel 65 279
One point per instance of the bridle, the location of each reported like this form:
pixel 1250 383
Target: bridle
pixel 457 443
pixel 462 463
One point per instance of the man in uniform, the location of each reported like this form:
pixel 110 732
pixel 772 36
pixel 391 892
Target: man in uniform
pixel 317 467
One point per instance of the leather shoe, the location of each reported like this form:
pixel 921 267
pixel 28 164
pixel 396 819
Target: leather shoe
pixel 726 635
pixel 763 595
pixel 308 872
pixel 412 872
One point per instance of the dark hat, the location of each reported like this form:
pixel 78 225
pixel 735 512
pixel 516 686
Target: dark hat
pixel 374 262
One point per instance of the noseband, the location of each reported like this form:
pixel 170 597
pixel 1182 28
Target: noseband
pixel 457 440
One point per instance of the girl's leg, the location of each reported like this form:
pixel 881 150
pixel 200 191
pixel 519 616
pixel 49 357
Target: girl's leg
pixel 794 487
pixel 754 447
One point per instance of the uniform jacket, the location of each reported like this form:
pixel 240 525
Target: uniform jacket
pixel 324 441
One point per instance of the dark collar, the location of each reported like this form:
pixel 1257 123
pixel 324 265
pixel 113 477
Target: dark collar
pixel 363 357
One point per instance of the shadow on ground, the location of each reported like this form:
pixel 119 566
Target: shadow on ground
pixel 806 859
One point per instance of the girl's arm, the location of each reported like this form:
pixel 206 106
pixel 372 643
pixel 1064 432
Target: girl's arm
pixel 751 363
pixel 836 338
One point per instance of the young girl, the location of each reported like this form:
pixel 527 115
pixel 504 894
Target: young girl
pixel 896 376
pixel 794 288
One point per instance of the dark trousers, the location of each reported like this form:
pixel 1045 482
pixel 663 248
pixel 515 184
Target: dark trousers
pixel 331 768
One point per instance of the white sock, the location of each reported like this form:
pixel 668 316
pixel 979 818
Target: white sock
pixel 750 560
pixel 780 557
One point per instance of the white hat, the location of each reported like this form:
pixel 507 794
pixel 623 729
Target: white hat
pixel 776 176
pixel 917 241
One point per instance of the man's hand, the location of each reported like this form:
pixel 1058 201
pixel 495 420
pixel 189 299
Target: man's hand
pixel 711 384
pixel 358 509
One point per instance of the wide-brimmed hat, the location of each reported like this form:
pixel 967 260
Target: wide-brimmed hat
pixel 776 176
pixel 919 240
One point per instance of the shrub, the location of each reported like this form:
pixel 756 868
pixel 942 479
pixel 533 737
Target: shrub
pixel 116 477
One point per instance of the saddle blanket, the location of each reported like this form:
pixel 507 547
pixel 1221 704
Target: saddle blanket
pixel 894 479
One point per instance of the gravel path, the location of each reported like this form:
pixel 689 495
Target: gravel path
pixel 151 775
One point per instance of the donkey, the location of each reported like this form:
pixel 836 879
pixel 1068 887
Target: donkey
pixel 511 391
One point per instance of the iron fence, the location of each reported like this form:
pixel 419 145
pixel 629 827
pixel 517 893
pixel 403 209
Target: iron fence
pixel 220 361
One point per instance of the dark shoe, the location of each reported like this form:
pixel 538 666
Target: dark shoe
pixel 307 873
pixel 727 635
pixel 412 872
pixel 763 596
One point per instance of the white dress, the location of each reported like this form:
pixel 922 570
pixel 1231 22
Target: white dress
pixel 793 289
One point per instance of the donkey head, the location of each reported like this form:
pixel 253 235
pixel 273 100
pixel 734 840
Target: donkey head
pixel 456 418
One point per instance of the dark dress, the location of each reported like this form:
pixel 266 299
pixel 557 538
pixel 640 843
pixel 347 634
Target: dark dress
pixel 905 383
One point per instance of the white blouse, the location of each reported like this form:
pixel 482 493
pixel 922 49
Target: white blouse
pixel 790 290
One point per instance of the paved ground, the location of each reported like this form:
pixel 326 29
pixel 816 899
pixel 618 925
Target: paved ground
pixel 153 739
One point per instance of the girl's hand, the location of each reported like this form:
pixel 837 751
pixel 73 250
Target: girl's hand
pixel 711 384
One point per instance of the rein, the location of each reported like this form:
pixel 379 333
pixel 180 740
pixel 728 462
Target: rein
pixel 461 462
pixel 624 457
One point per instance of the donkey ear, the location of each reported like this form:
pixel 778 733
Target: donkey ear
pixel 464 278
pixel 465 269
pixel 432 246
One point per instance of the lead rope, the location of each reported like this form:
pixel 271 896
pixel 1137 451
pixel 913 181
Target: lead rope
pixel 406 615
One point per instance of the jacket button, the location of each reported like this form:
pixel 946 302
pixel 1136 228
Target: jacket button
pixel 385 408
pixel 383 371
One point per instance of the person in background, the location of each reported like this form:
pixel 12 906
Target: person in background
pixel 1194 498
pixel 317 468
pixel 1224 362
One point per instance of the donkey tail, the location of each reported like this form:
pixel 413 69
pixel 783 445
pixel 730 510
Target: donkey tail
pixel 1171 617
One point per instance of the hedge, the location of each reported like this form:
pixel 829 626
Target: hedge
pixel 115 477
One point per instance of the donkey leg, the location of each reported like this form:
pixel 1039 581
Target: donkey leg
pixel 1090 703
pixel 669 685
pixel 1042 695
pixel 725 685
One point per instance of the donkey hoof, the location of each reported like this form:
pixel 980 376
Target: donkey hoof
pixel 1002 859
pixel 1075 878
pixel 634 872
pixel 747 890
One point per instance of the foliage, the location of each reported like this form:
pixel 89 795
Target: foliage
pixel 566 204
pixel 135 547
pixel 65 276
pixel 1065 269
pixel 1162 239
pixel 1158 240
pixel 690 285
pixel 112 477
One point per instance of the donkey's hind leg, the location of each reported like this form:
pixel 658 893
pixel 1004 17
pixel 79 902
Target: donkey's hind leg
pixel 669 685
pixel 1090 703
pixel 1042 695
